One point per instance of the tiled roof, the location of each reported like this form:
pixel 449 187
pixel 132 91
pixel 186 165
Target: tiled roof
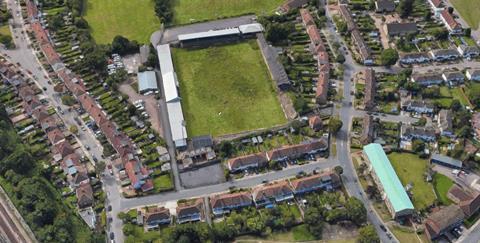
pixel 273 190
pixel 246 160
pixel 230 199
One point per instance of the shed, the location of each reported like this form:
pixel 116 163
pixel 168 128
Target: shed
pixel 147 81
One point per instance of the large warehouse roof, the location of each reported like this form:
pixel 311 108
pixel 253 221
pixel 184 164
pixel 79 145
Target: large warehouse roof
pixel 169 78
pixel 177 123
pixel 207 34
pixel 387 176
pixel 147 81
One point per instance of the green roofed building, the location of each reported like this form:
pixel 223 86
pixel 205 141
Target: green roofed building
pixel 393 193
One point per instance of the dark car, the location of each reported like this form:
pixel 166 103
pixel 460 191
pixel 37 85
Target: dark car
pixel 44 88
pixel 109 208
pixel 383 227
pixel 112 236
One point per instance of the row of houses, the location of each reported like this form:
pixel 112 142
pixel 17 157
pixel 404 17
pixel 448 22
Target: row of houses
pixel 284 153
pixel 440 55
pixel 359 42
pixel 370 89
pixel 64 155
pixel 260 196
pixel 450 78
pixel 319 51
pixel 136 171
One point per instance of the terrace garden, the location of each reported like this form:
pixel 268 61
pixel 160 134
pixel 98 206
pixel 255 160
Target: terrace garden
pixel 135 20
pixel 226 89
pixel 187 11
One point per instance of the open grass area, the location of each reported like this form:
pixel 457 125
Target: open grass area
pixel 410 169
pixel 135 20
pixel 187 11
pixel 226 89
pixel 441 185
pixel 404 235
pixel 469 10
pixel 5 30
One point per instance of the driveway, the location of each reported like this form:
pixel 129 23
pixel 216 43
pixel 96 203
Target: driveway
pixel 151 105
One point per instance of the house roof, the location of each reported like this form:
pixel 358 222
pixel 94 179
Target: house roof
pixel 84 195
pixel 361 45
pixel 445 119
pixel 202 141
pixel 367 132
pixel 186 209
pixel 274 190
pixel 474 72
pixel 414 55
pixel 246 160
pixel 156 213
pixel 401 28
pixel 455 193
pixel 370 87
pixel 388 178
pixel 55 136
pixel 314 35
pixel 451 22
pixel 322 86
pixel 384 5
pixel 64 148
pixel 444 52
pixel 314 180
pixel 307 18
pixel 443 219
pixel 436 3
pixel 447 160
pixel 290 4
pixel 471 206
pixel 424 77
pixel 230 199
pixel 454 76
pixel 147 81
pixel 291 151
pixel 408 130
pixel 315 122
pixel 347 17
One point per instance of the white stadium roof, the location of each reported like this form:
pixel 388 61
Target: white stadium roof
pixel 177 123
pixel 250 28
pixel 210 33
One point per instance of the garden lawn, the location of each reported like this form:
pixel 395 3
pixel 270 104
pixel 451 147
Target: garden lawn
pixel 135 20
pixel 187 11
pixel 469 10
pixel 5 30
pixel 410 169
pixel 442 184
pixel 163 182
pixel 226 89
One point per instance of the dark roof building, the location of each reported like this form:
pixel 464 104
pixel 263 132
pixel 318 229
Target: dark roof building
pixel 325 181
pixel 247 161
pixel 446 161
pixel 84 196
pixel 367 132
pixel 370 89
pixel 223 203
pixel 190 211
pixel 384 6
pixel 271 194
pixel 394 29
pixel 155 216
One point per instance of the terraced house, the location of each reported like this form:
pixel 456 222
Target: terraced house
pixel 327 181
pixel 267 196
pixel 224 203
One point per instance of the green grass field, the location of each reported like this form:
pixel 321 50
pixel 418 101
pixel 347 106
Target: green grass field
pixel 226 89
pixel 5 30
pixel 410 169
pixel 187 11
pixel 469 10
pixel 135 20
pixel 442 184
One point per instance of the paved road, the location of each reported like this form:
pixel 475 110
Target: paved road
pixel 343 147
pixel 171 34
pixel 242 183
pixel 385 117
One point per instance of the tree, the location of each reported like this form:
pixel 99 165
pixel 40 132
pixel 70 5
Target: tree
pixel 278 32
pixel 427 16
pixel 342 27
pixel 340 58
pixel 338 169
pixel 389 57
pixel 123 46
pixel 356 211
pixel 300 104
pixel 297 126
pixel 225 148
pixel 6 40
pixel 405 8
pixel 418 146
pixel 223 232
pixel 73 129
pixel 68 100
pixel 450 10
pixel 313 218
pixel 100 167
pixel 367 234
pixel 440 33
pixel 334 125
pixel 468 32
